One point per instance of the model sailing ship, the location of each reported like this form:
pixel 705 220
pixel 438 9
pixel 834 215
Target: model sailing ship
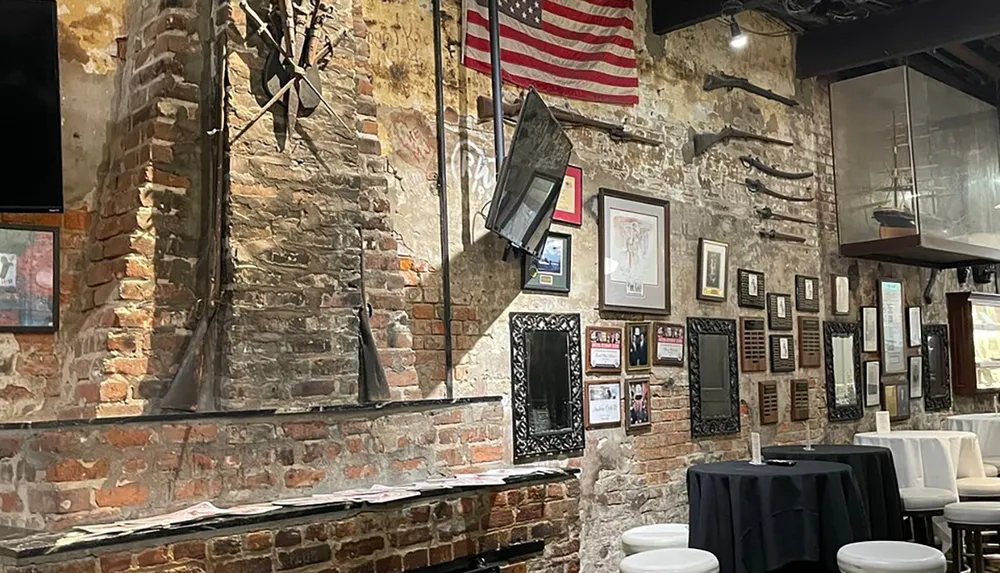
pixel 895 213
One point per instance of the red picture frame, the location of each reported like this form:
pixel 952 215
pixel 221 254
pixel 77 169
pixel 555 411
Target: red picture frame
pixel 573 182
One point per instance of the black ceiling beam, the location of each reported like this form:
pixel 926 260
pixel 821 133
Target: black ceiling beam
pixel 891 35
pixel 974 60
pixel 671 15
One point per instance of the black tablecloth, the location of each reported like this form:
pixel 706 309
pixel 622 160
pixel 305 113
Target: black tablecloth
pixel 761 518
pixel 876 475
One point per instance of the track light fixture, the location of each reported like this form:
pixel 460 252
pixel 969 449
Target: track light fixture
pixel 737 37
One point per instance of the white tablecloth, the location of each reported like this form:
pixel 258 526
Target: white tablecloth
pixel 986 426
pixel 929 458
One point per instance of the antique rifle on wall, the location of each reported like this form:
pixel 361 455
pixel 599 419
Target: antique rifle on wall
pixel 751 162
pixel 720 80
pixel 616 131
pixel 705 141
pixel 776 236
pixel 755 186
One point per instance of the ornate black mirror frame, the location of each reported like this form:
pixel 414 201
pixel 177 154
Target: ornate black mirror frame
pixel 571 439
pixel 701 426
pixel 837 413
pixel 936 402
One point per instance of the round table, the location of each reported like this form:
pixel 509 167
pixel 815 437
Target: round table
pixel 876 475
pixel 761 518
pixel 929 458
pixel 985 426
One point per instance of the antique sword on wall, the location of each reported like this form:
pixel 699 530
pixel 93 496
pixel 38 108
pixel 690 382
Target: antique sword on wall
pixel 756 186
pixel 764 213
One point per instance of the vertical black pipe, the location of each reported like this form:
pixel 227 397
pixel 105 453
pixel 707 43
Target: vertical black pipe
pixel 442 184
pixel 497 83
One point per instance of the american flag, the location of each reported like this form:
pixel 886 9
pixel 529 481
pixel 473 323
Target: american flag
pixel 580 49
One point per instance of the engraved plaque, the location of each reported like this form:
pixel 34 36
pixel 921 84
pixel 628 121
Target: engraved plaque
pixel 779 311
pixel 806 294
pixel 800 400
pixel 810 342
pixel 768 397
pixel 782 353
pixel 753 345
pixel 750 288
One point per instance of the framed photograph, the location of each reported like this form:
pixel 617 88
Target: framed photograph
pixel 779 311
pixel 637 403
pixel 569 206
pixel 841 295
pixel 638 351
pixel 749 288
pixel 551 271
pixel 713 262
pixel 892 335
pixel 873 376
pixel 916 377
pixel 29 278
pixel 604 350
pixel 806 294
pixel 869 329
pixel 896 399
pixel 603 404
pixel 913 324
pixel 669 349
pixel 633 253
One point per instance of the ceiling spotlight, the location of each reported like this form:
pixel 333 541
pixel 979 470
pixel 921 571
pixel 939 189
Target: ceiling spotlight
pixel 737 38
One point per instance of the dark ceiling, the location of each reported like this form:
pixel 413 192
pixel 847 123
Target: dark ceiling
pixel 956 41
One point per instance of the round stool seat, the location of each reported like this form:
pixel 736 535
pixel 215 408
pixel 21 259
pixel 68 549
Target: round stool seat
pixel 979 487
pixel 890 557
pixel 674 560
pixel 926 498
pixel 659 536
pixel 973 513
pixel 991 470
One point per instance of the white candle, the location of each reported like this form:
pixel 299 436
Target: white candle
pixel 809 438
pixel 882 422
pixel 755 449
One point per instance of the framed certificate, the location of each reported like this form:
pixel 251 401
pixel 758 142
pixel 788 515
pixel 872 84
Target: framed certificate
pixel 604 350
pixel 892 332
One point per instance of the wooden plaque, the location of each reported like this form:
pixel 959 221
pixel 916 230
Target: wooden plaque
pixel 810 342
pixel 782 353
pixel 800 400
pixel 750 288
pixel 779 311
pixel 806 294
pixel 768 396
pixel 753 344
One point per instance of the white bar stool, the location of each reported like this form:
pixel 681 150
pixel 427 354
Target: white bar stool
pixel 972 517
pixel 991 470
pixel 675 560
pixel 890 557
pixel 979 489
pixel 921 504
pixel 658 536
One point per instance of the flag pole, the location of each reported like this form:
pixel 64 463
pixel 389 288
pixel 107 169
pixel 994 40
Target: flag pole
pixel 498 142
pixel 442 184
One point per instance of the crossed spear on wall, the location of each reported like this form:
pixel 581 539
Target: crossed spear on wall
pixel 300 69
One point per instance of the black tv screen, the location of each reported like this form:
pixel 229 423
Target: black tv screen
pixel 530 179
pixel 31 152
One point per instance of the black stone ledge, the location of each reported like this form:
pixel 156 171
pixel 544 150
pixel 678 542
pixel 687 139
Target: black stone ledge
pixel 375 407
pixel 23 546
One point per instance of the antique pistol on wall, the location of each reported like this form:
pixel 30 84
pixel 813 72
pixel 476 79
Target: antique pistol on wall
pixel 616 131
pixel 719 81
pixel 704 141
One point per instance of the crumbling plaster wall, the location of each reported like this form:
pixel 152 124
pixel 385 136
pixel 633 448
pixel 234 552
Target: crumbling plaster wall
pixel 628 479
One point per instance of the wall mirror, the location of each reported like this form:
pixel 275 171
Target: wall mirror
pixel 713 377
pixel 937 368
pixel 546 384
pixel 842 349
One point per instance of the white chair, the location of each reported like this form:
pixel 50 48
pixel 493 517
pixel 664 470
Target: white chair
pixel 991 470
pixel 972 517
pixel 650 537
pixel 921 504
pixel 890 557
pixel 979 489
pixel 675 560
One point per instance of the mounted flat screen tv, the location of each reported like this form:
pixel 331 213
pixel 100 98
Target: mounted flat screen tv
pixel 31 152
pixel 530 179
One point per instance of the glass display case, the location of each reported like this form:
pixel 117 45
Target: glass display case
pixel 917 170
pixel 974 320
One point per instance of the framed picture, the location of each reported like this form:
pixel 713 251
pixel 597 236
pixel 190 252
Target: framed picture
pixel 669 349
pixel 749 288
pixel 569 206
pixel 916 377
pixel 551 272
pixel 637 403
pixel 713 261
pixel 841 295
pixel 603 404
pixel 913 323
pixel 638 350
pixel 604 350
pixel 892 336
pixel 869 329
pixel 633 253
pixel 29 278
pixel 896 400
pixel 779 311
pixel 806 294
pixel 873 376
